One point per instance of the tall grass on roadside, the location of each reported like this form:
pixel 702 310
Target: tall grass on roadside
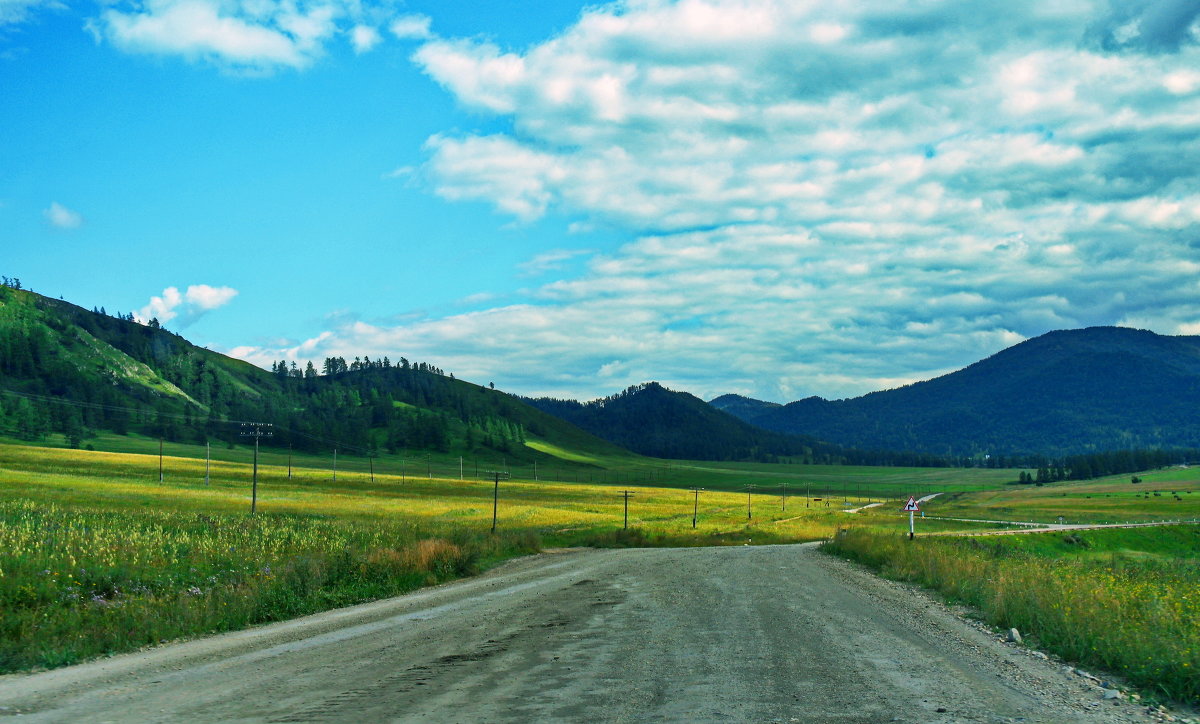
pixel 1137 618
pixel 77 583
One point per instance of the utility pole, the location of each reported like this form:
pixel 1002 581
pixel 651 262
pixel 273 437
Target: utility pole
pixel 289 461
pixel 807 494
pixel 535 471
pixel 371 462
pixel 257 431
pixel 160 472
pixel 460 468
pixel 625 494
pixel 695 505
pixel 496 494
pixel 749 512
pixel 785 486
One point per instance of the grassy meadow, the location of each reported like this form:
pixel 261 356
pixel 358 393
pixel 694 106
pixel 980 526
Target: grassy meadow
pixel 1169 494
pixel 586 467
pixel 97 556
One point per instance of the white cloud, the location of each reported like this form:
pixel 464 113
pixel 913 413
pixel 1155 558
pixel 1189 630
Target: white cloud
pixel 364 38
pixel 818 198
pixel 400 172
pixel 197 29
pixel 255 36
pixel 188 306
pixel 204 297
pixel 161 308
pixel 411 27
pixel 60 217
pixel 553 260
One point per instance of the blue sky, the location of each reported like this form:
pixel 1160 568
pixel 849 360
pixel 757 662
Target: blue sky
pixel 774 198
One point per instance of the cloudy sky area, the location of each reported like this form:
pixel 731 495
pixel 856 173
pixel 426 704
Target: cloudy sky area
pixel 774 198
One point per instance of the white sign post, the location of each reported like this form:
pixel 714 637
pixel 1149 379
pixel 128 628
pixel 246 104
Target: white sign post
pixel 911 507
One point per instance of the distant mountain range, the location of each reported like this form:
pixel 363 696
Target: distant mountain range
pixel 68 370
pixel 650 419
pixel 1065 392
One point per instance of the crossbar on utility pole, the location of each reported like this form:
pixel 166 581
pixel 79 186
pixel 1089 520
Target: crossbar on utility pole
pixel 695 505
pixel 625 494
pixel 496 474
pixel 255 430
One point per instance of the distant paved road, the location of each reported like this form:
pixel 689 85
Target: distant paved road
pixel 735 634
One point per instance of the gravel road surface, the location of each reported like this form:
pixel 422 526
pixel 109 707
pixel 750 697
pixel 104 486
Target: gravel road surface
pixel 735 634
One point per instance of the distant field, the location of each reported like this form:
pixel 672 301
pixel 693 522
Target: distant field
pixel 844 481
pixel 560 512
pixel 1162 495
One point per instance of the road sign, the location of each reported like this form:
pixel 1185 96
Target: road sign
pixel 911 507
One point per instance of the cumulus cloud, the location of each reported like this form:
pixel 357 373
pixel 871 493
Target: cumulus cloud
pixel 364 38
pixel 248 35
pixel 60 217
pixel 188 306
pixel 411 27
pixel 821 198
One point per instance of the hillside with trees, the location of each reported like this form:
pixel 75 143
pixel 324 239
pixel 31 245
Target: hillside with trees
pixel 68 370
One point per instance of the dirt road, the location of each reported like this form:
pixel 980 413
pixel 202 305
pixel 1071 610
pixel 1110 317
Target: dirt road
pixel 741 634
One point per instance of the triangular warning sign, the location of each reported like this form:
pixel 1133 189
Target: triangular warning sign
pixel 911 504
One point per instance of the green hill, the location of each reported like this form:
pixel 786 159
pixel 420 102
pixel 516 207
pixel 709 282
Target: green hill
pixel 68 370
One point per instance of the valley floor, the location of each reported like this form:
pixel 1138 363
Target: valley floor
pixel 753 633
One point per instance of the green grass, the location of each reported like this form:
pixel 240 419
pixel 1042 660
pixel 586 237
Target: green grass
pixel 560 464
pixel 80 582
pixel 1172 494
pixel 98 557
pixel 1127 600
